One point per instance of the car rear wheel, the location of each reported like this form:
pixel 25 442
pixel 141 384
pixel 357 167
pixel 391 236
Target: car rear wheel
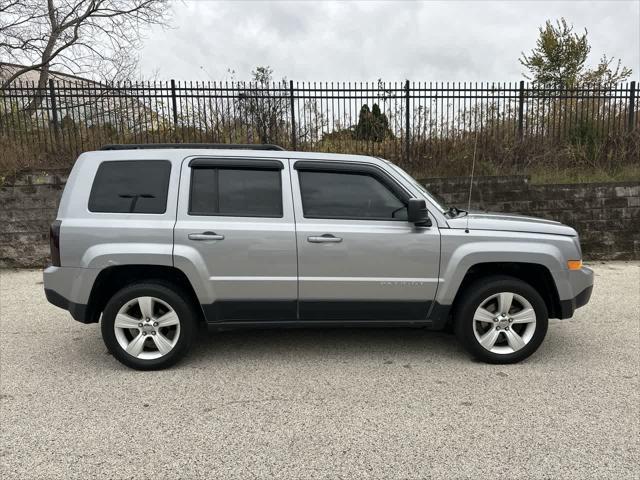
pixel 148 326
pixel 501 320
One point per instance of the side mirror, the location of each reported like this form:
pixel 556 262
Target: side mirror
pixel 417 212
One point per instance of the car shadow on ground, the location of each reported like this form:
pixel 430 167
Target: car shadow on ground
pixel 394 344
pixel 309 344
pixel 279 346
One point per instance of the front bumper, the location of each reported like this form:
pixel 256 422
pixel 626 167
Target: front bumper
pixel 582 283
pixel 567 307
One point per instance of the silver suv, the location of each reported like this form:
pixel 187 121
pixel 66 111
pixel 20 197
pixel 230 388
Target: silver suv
pixel 158 239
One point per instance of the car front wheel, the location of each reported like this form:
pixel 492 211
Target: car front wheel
pixel 501 319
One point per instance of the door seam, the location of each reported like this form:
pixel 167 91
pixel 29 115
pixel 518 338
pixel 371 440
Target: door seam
pixel 295 233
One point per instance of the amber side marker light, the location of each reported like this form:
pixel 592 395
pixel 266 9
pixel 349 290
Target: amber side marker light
pixel 574 264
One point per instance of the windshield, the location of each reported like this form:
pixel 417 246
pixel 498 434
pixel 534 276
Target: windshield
pixel 435 199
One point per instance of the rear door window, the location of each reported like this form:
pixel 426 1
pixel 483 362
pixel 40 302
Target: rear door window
pixel 131 186
pixel 241 192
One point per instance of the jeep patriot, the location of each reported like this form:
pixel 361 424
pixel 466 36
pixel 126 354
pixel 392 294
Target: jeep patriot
pixel 154 240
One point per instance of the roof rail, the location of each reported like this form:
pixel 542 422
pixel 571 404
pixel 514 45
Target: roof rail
pixel 219 146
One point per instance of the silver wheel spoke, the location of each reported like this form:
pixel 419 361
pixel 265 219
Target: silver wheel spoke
pixel 135 346
pixel 146 306
pixel 501 321
pixel 132 332
pixel 168 319
pixel 483 315
pixel 504 302
pixel 488 340
pixel 527 315
pixel 515 341
pixel 163 343
pixel 126 321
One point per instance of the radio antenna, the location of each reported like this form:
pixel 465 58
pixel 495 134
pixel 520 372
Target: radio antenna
pixel 473 167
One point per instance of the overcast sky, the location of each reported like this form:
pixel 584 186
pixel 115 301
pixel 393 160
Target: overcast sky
pixel 361 41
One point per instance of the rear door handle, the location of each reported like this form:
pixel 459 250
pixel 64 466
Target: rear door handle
pixel 326 238
pixel 205 236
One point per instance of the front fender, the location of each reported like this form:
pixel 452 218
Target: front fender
pixel 458 258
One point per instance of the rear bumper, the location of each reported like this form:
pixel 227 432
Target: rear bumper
pixel 77 310
pixel 69 288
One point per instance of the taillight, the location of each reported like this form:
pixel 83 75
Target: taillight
pixel 54 242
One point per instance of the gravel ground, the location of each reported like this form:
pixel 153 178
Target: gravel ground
pixel 339 403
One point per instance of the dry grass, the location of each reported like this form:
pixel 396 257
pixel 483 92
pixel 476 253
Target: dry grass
pixel 628 173
pixel 610 158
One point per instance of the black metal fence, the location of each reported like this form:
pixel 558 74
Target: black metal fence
pixel 416 124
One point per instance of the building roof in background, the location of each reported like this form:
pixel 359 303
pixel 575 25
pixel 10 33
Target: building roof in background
pixel 7 69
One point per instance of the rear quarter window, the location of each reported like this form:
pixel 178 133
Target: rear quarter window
pixel 131 186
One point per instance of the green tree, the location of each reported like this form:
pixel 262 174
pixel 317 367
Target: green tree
pixel 560 57
pixel 372 124
pixel 605 74
pixel 380 124
pixel 364 127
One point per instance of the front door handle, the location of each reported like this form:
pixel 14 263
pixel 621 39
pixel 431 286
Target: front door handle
pixel 205 236
pixel 326 238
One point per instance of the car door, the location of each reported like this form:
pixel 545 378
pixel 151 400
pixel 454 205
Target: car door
pixel 235 237
pixel 358 257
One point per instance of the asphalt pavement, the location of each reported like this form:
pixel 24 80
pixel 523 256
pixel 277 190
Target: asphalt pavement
pixel 333 403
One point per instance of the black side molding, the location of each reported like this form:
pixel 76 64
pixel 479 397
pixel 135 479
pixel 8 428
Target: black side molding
pixel 363 310
pixel 328 313
pixel 248 310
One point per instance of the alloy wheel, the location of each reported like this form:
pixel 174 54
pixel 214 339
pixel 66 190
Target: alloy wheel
pixel 504 323
pixel 147 328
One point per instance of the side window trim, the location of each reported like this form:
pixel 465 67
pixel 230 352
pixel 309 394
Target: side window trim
pixel 347 167
pixel 356 169
pixel 222 164
pixel 236 163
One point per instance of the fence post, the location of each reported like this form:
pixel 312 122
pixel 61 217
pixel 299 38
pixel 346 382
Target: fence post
pixel 54 111
pixel 521 110
pixel 174 105
pixel 293 117
pixel 632 107
pixel 407 126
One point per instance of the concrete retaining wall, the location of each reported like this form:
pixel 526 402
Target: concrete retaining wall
pixel 607 215
pixel 27 207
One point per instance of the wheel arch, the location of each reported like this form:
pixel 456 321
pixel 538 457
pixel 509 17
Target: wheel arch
pixel 537 276
pixel 112 279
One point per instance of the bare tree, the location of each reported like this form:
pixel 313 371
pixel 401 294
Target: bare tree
pixel 95 38
pixel 265 105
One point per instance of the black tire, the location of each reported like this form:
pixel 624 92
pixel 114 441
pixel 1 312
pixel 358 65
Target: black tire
pixel 474 296
pixel 172 295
